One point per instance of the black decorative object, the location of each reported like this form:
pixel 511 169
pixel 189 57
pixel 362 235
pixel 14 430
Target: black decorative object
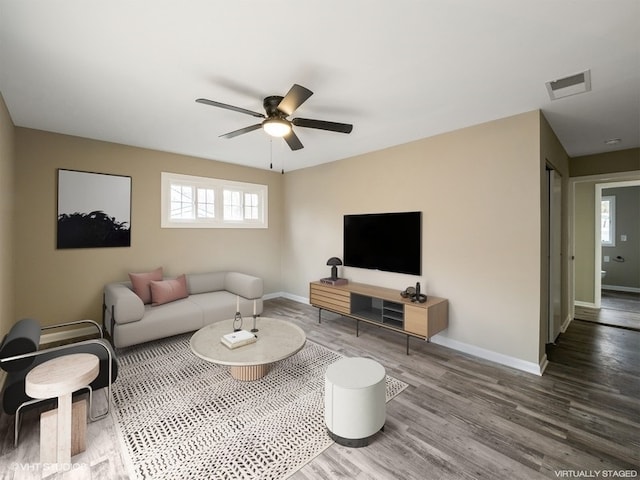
pixel 334 279
pixel 334 262
pixel 94 210
pixel 413 294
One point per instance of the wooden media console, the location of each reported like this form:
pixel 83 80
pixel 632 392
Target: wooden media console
pixel 383 307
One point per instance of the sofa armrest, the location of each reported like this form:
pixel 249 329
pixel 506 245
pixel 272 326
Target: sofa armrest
pixel 122 303
pixel 246 286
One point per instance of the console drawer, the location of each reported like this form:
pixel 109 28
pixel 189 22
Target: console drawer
pixel 325 296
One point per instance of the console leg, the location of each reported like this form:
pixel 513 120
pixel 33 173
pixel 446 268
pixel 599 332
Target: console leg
pixel 357 328
pixel 408 344
pixel 319 315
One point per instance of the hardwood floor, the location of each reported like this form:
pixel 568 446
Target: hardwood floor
pixel 626 301
pixel 460 417
pixel 618 309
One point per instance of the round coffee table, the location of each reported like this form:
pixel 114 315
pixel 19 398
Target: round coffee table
pixel 277 340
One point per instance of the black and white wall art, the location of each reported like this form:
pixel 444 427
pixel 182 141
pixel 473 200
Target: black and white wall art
pixel 94 210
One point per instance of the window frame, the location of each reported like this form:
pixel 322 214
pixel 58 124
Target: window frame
pixel 218 186
pixel 612 220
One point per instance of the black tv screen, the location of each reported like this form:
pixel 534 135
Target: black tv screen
pixel 391 242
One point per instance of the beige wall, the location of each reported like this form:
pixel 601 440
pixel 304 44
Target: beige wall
pixel 585 231
pixel 61 285
pixel 479 191
pixel 611 162
pixel 6 219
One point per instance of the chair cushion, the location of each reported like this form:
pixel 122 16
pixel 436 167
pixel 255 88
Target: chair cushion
pixel 23 337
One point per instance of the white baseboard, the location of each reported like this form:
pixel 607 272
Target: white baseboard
pixel 288 296
pixel 565 324
pixel 67 334
pixel 270 296
pixel 297 298
pixel 490 355
pixel 620 289
pixel 461 347
pixel 578 303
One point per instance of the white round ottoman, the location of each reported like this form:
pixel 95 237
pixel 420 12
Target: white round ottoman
pixel 354 400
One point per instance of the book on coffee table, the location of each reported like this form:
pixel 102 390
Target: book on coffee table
pixel 238 339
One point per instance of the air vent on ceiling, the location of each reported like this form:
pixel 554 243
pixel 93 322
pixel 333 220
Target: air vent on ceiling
pixel 571 85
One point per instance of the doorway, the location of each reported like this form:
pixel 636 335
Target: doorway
pixel 617 242
pixel 598 291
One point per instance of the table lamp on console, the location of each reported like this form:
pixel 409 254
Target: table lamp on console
pixel 333 279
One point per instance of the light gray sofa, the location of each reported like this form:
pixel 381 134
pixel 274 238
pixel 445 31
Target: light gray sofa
pixel 212 297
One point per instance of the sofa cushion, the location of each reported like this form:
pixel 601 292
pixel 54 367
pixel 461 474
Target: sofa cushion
pixel 140 283
pixel 166 291
pixel 216 306
pixel 205 282
pixel 159 322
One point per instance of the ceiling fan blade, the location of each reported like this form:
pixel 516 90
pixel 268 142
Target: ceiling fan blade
pixel 293 141
pixel 235 133
pixel 323 125
pixel 229 107
pixel 295 97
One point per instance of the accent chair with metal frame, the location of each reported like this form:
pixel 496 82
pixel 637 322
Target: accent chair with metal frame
pixel 19 354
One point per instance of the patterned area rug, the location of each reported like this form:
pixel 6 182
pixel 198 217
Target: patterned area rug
pixel 180 417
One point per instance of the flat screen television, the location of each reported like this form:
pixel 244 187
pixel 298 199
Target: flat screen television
pixel 391 242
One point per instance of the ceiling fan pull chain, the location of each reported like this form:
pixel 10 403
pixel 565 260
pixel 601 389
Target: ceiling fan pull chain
pixel 271 152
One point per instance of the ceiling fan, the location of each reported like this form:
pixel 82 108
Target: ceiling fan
pixel 275 121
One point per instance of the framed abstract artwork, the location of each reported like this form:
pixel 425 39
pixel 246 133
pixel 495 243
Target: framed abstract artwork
pixel 94 210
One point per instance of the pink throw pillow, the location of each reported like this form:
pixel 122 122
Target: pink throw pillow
pixel 168 290
pixel 140 283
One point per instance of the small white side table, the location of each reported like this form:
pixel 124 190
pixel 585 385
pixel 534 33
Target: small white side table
pixel 354 400
pixel 60 377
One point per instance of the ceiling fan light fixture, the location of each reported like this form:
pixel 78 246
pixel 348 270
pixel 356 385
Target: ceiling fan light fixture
pixel 276 127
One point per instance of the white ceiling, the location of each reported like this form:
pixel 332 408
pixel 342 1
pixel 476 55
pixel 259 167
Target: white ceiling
pixel 128 71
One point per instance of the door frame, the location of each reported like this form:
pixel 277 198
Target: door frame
pixel 555 267
pixel 618 179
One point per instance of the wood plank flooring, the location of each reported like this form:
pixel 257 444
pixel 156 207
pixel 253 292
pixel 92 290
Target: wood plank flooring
pixel 460 417
pixel 627 301
pixel 618 309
